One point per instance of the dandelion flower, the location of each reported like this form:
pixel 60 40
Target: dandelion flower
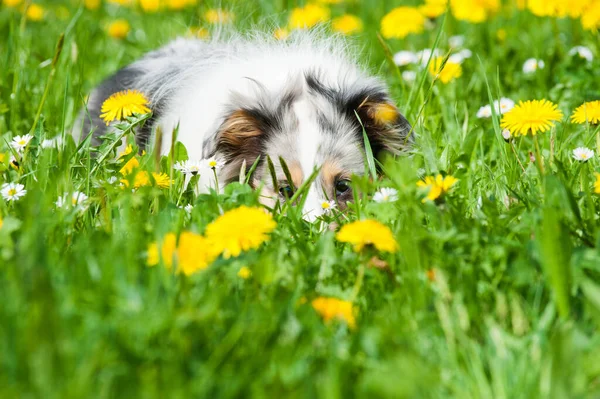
pixel 447 73
pixel 92 4
pixel 531 65
pixel 333 308
pixel 403 58
pixel 587 112
pixel 150 5
pixel 165 251
pixel 597 184
pixel 131 164
pixel 12 191
pixel 244 272
pixel 402 21
pixel 35 13
pixel 437 186
pixel 590 18
pixel 218 16
pixel 475 11
pixel 308 16
pixel 194 253
pixel 281 33
pixel 118 29
pixel 240 229
pixel 582 52
pixel 386 195
pixel 11 3
pixel 19 143
pixel 179 4
pixel 199 32
pixel 433 8
pixel 347 24
pixel 582 154
pixel 124 104
pixel 531 116
pixel 368 232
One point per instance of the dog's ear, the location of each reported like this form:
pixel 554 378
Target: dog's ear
pixel 387 129
pixel 240 138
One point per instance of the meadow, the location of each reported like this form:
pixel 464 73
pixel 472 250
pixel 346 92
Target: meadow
pixel 476 276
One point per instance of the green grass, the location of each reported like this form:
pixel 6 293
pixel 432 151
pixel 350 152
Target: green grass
pixel 513 311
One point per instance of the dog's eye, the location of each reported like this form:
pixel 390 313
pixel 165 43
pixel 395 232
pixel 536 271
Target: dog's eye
pixel 286 191
pixel 342 187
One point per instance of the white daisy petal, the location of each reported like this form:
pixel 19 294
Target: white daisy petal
pixel 583 154
pixel 531 65
pixel 386 194
pixel 582 52
pixel 403 58
pixel 12 191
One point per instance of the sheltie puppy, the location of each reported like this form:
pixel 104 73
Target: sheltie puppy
pixel 305 99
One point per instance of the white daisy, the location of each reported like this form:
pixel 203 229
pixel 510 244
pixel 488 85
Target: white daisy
pixel 583 154
pixel 328 206
pixel 55 142
pixel 484 112
pixel 409 76
pixel 503 105
pixel 459 57
pixel 214 163
pixel 582 52
pixel 424 55
pixel 403 58
pixel 386 195
pixel 456 41
pixel 188 208
pixel 506 135
pixel 20 142
pixel 531 65
pixel 78 200
pixel 12 191
pixel 189 167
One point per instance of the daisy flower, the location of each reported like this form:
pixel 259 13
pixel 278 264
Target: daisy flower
pixel 587 112
pixel 583 154
pixel 531 65
pixel 460 56
pixel 124 104
pixel 484 112
pixel 456 41
pixel 12 191
pixel 78 200
pixel 328 206
pixel 506 135
pixel 189 167
pixel 386 195
pixel 503 105
pixel 409 76
pixel 20 142
pixel 424 55
pixel 582 52
pixel 531 116
pixel 55 142
pixel 214 163
pixel 403 58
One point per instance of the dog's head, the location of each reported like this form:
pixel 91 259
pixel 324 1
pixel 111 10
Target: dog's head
pixel 309 125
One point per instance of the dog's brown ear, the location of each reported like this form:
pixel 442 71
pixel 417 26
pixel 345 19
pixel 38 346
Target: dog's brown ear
pixel 387 129
pixel 239 138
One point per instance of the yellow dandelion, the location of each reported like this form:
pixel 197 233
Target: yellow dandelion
pixel 150 5
pixel 180 4
pixel 142 178
pixel 218 16
pixel 11 3
pixel 332 308
pixel 437 186
pixel 531 116
pixel 118 29
pixel 501 34
pixel 131 164
pixel 433 8
pixel 308 16
pixel 92 4
pixel 330 1
pixel 1 223
pixel 239 230
pixel 2 157
pixel 587 112
pixel 597 184
pixel 368 232
pixel 194 253
pixel 199 32
pixel 402 21
pixel 347 24
pixel 590 18
pixel 124 104
pixel 474 11
pixel 244 272
pixel 125 3
pixel 166 251
pixel 281 33
pixel 35 13
pixel 450 71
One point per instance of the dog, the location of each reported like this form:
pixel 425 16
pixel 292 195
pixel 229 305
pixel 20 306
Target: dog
pixel 305 99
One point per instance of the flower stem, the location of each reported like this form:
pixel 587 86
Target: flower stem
pixel 358 283
pixel 512 146
pixel 216 180
pixel 538 155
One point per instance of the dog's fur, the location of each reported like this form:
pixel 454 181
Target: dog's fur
pixel 304 99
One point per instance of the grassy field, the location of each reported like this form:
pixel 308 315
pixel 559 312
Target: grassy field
pixel 494 291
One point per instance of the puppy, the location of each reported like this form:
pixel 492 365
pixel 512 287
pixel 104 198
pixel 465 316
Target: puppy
pixel 305 99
